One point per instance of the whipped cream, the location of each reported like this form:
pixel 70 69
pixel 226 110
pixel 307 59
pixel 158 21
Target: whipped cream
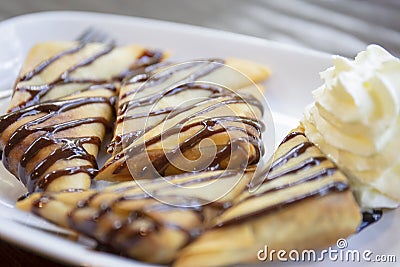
pixel 355 121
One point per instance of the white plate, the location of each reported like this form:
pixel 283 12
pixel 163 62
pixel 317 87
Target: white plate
pixel 294 76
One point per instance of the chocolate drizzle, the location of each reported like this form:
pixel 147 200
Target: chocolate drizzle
pixel 67 148
pixel 332 187
pixel 122 229
pixel 130 227
pixel 150 77
pixel 44 130
pixel 38 91
pixel 300 146
pixel 216 97
pixel 43 65
pixel 294 152
pixel 146 62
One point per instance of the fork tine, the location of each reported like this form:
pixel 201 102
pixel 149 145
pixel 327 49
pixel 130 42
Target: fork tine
pixel 92 35
pixel 84 35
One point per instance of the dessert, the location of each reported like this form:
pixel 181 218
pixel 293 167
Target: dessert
pixel 125 219
pixel 195 224
pixel 165 114
pixel 51 145
pixel 190 137
pixel 53 70
pixel 304 202
pixel 63 102
pixel 355 122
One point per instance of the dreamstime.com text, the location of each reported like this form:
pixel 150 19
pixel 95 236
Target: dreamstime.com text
pixel 341 254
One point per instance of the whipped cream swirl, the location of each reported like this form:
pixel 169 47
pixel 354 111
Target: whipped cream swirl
pixel 355 121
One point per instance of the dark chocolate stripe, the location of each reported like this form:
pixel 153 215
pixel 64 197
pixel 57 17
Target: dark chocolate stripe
pixel 306 164
pixel 68 148
pixel 332 187
pixel 294 152
pixel 37 92
pixel 43 65
pixel 315 176
pixel 44 136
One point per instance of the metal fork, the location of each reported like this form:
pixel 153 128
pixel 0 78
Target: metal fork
pixel 90 35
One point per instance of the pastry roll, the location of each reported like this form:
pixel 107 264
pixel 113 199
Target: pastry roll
pixel 54 70
pixel 186 117
pixel 304 202
pixel 62 104
pixel 130 219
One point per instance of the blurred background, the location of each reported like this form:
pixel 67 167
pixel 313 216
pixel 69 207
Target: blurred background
pixel 334 26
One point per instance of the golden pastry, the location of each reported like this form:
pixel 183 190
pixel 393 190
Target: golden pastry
pixel 129 221
pixel 210 218
pixel 60 110
pixel 165 115
pixel 355 120
pixel 53 70
pixel 303 203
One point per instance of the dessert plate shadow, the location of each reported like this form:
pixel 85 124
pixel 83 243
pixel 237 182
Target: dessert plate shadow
pixel 294 74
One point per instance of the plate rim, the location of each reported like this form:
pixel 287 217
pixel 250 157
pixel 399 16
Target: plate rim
pixel 36 17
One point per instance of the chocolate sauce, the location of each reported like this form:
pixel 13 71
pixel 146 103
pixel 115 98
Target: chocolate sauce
pixel 294 152
pixel 38 91
pixel 38 204
pixel 332 187
pixel 159 77
pixel 274 174
pixel 50 177
pixel 46 135
pixel 292 135
pixel 216 92
pixel 24 196
pixel 306 164
pixel 43 65
pixel 160 164
pixel 370 217
pixel 186 83
pixel 67 148
pixel 122 234
pixel 146 62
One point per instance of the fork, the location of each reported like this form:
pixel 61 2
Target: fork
pixel 90 35
pixel 93 35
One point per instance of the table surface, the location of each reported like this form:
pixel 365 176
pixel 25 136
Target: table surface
pixel 338 27
pixel 335 26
